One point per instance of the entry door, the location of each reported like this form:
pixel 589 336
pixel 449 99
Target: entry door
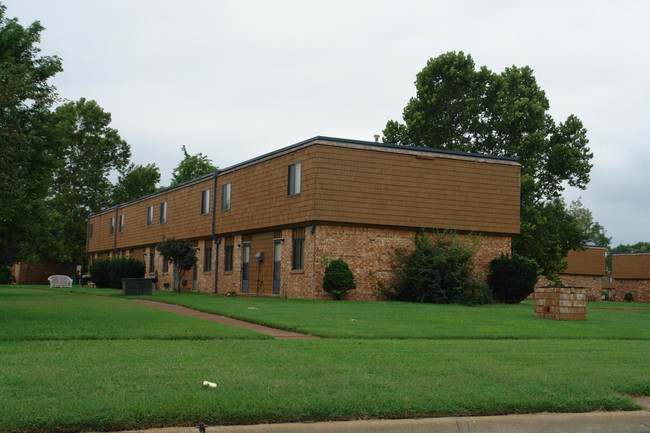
pixel 246 267
pixel 277 261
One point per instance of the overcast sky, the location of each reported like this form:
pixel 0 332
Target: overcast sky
pixel 236 79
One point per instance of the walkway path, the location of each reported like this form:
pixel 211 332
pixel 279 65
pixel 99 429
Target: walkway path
pixel 279 334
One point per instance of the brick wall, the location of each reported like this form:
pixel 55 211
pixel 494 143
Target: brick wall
pixel 640 289
pixel 593 285
pixel 560 303
pixel 368 251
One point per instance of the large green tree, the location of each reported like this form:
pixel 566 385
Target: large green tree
pixel 463 108
pixel 27 157
pixel 89 151
pixel 136 181
pixel 191 167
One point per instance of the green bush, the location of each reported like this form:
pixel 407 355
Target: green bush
pixel 512 279
pixel 5 275
pixel 629 297
pixel 439 269
pixel 338 279
pixel 109 273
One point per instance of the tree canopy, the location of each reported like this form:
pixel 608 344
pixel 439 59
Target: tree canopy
pixel 27 158
pixel 136 181
pixel 88 151
pixel 191 167
pixel 180 254
pixel 459 107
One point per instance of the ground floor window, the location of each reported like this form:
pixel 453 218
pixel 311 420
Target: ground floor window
pixel 207 262
pixel 298 249
pixel 229 252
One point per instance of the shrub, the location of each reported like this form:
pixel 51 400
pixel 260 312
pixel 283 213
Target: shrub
pixel 109 273
pixel 512 279
pixel 338 279
pixel 439 269
pixel 629 297
pixel 5 275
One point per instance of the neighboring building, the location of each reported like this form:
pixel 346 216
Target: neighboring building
pixel 264 227
pixel 37 273
pixel 585 269
pixel 631 274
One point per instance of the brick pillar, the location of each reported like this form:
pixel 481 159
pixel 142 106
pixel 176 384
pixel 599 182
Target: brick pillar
pixel 560 303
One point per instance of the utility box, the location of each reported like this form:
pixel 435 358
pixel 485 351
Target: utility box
pixel 137 286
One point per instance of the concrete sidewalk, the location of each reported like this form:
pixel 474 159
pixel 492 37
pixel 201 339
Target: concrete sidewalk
pixel 592 422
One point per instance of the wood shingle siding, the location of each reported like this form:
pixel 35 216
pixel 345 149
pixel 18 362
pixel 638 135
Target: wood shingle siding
pixel 588 262
pixel 357 200
pixel 631 266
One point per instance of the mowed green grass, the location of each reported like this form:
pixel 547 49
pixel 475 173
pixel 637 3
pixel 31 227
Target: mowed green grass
pixel 403 320
pixel 71 384
pixel 44 315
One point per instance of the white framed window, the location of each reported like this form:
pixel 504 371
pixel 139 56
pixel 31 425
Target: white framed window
pixel 111 229
pixel 122 223
pixel 205 201
pixel 150 215
pixel 225 196
pixel 163 212
pixel 295 174
pixel 90 230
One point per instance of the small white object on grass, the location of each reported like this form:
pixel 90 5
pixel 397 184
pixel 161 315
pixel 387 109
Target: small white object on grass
pixel 252 308
pixel 209 384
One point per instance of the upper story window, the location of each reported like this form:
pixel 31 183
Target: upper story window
pixel 205 201
pixel 122 223
pixel 294 178
pixel 163 212
pixel 90 230
pixel 225 196
pixel 111 229
pixel 150 216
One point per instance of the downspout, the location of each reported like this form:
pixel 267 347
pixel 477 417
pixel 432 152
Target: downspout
pixel 87 244
pixel 215 241
pixel 115 229
pixel 312 230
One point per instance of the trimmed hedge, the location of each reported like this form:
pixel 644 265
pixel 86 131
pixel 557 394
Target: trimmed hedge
pixel 108 273
pixel 338 279
pixel 512 279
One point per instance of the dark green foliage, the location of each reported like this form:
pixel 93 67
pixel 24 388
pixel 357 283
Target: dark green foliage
pixel 338 279
pixel 136 181
pixel 109 273
pixel 27 155
pixel 512 279
pixel 440 270
pixel 191 167
pixel 5 275
pixel 629 297
pixel 464 108
pixel 180 254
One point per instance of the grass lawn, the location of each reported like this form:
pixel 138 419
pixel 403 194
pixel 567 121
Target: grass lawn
pixel 422 368
pixel 44 315
pixel 403 320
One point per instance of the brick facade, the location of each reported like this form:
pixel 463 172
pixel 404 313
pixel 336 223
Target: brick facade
pixel 640 289
pixel 353 200
pixel 593 284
